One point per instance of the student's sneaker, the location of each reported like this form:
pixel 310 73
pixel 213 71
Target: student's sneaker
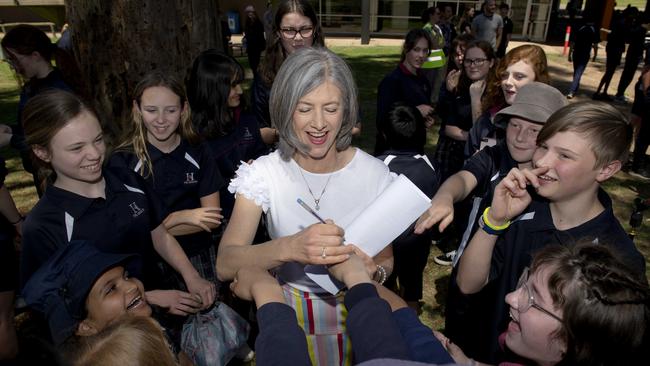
pixel 445 259
pixel 620 99
pixel 640 173
pixel 569 95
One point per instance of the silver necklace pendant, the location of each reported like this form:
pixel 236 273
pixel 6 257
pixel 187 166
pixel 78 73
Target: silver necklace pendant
pixel 317 201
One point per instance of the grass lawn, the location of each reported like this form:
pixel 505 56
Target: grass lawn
pixel 369 64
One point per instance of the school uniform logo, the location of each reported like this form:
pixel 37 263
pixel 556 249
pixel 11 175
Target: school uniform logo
pixel 135 210
pixel 189 178
pixel 248 136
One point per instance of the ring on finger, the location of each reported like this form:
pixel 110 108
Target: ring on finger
pixel 322 253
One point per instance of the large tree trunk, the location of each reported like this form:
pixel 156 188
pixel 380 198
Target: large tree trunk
pixel 116 42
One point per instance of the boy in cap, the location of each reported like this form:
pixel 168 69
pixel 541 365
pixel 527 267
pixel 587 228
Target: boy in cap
pixel 580 146
pixel 534 104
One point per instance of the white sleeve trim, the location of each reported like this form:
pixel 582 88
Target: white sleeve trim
pixel 250 183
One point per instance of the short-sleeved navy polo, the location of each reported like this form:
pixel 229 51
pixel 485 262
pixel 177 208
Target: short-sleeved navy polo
pixel 120 223
pixel 180 179
pixel 242 144
pixel 533 230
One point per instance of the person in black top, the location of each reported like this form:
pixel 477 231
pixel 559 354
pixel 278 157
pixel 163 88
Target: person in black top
pixel 406 136
pixel 163 148
pixel 405 84
pixel 506 33
pixel 456 110
pixel 30 53
pixel 586 37
pixel 522 121
pixel 114 208
pixel 579 147
pixel 254 37
pixel 614 50
pixel 233 135
pixel 635 37
pixel 295 25
pixel 10 224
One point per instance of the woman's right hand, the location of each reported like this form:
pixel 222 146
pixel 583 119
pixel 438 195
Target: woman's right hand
pixel 319 244
pixel 176 302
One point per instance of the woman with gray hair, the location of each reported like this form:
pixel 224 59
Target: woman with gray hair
pixel 314 108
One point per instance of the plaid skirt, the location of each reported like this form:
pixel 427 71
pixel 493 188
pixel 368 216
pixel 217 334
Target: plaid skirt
pixel 205 263
pixel 322 318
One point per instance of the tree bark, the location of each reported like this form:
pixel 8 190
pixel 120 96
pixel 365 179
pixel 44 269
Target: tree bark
pixel 117 42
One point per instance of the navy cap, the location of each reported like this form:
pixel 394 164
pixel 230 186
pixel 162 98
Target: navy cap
pixel 60 287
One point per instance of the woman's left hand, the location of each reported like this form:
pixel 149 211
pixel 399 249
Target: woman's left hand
pixel 203 288
pixel 454 351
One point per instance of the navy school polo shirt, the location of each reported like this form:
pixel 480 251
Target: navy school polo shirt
pixel 531 231
pixel 242 144
pixel 120 223
pixel 180 179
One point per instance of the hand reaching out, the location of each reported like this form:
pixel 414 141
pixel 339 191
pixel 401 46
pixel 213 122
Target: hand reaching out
pixel 441 210
pixel 205 290
pixel 176 302
pixel 202 215
pixel 256 284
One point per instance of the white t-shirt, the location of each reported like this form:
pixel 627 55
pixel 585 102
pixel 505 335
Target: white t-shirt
pixel 275 185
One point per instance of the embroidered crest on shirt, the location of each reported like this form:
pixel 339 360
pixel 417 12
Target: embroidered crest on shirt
pixel 247 134
pixel 137 211
pixel 189 178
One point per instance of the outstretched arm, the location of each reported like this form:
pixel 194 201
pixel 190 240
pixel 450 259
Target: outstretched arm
pixel 509 200
pixel 206 217
pixel 456 188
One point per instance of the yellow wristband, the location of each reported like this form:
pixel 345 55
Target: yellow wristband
pixel 491 225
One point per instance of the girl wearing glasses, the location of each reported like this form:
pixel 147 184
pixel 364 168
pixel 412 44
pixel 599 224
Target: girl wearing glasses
pixel 520 66
pixel 295 26
pixel 577 305
pixel 29 52
pixel 456 108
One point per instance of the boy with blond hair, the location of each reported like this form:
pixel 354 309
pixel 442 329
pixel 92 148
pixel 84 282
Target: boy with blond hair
pixel 580 146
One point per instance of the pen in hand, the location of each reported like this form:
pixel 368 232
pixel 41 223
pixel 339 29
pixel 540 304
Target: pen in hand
pixel 309 209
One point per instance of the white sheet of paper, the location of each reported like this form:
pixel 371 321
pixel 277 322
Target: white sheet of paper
pixel 392 212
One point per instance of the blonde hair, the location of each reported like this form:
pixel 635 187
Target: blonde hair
pixel 135 139
pixel 132 340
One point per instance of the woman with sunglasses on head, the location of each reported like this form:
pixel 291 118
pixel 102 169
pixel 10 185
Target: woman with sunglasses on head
pixel 576 305
pixel 295 26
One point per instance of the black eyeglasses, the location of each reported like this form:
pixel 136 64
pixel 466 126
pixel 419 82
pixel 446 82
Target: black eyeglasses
pixel 290 33
pixel 474 61
pixel 526 299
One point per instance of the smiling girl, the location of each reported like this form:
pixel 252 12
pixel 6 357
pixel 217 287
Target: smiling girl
pixel 114 209
pixel 576 305
pixel 456 108
pixel 219 116
pixel 520 66
pixel 163 148
pixel 405 84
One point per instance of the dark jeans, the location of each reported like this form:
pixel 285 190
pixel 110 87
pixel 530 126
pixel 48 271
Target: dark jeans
pixel 579 67
pixel 631 64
